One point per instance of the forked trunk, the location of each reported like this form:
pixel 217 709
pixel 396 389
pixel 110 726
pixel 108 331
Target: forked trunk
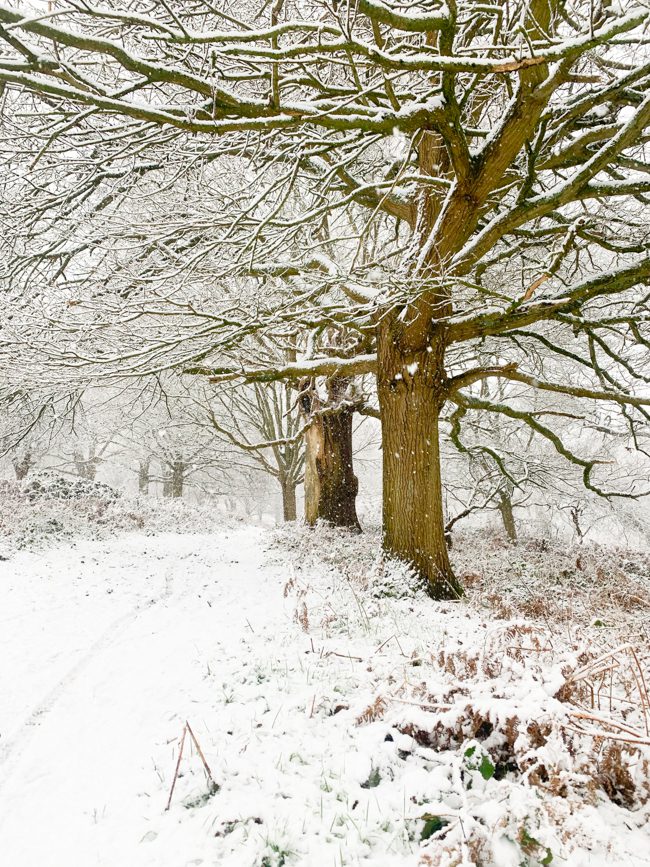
pixel 330 483
pixel 86 468
pixel 411 396
pixel 289 510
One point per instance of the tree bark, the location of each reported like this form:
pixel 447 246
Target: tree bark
pixel 331 486
pixel 289 508
pixel 411 396
pixel 575 517
pixel 507 516
pixel 178 478
pixel 174 479
pixel 143 476
pixel 86 468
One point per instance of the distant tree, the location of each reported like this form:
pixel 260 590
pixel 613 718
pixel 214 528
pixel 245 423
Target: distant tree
pixel 265 423
pixel 166 441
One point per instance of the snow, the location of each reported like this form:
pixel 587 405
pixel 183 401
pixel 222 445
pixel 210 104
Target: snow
pixel 300 679
pixel 626 114
pixel 105 648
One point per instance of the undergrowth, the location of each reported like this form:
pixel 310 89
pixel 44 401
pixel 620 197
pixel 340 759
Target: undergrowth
pixel 531 692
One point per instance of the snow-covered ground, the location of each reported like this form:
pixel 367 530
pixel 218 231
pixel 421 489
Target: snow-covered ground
pixel 320 702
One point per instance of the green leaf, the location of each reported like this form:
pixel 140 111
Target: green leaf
pixel 486 768
pixel 527 840
pixel 373 780
pixel 432 824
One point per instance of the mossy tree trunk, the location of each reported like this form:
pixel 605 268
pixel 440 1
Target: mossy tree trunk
pixel 411 397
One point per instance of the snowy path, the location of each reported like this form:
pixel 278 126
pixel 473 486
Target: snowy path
pixel 104 649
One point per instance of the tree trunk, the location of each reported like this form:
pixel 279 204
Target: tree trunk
pixel 331 486
pixel 507 516
pixel 289 509
pixel 86 468
pixel 411 396
pixel 178 478
pixel 143 476
pixel 23 466
pixel 174 479
pixel 575 517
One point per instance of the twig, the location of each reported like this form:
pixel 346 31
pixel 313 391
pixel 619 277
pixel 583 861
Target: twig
pixel 200 752
pixel 596 733
pixel 178 764
pixel 604 721
pixel 390 637
pixel 589 669
pixel 423 704
pixel 344 656
pixel 643 690
pixel 187 729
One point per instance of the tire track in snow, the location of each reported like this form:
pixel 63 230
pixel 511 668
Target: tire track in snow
pixel 16 745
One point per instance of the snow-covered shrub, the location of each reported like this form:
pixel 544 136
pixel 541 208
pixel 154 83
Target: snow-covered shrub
pixel 48 509
pixel 594 585
pixel 51 486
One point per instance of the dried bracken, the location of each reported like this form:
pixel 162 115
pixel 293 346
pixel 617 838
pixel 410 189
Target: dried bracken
pixel 373 712
pixel 301 616
pixel 611 696
pixel 592 733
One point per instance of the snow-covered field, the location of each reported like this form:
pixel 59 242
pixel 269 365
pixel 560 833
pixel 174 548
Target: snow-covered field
pixel 341 725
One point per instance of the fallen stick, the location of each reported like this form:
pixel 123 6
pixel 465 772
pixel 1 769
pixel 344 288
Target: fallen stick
pixel 344 656
pixel 178 764
pixel 611 736
pixel 591 668
pixel 423 704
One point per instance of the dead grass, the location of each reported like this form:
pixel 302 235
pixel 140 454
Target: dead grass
pixel 550 581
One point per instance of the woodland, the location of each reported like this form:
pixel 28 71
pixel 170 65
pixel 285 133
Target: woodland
pixel 324 432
